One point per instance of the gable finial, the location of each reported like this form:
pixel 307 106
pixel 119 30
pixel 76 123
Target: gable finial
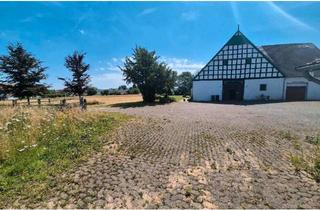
pixel 238 27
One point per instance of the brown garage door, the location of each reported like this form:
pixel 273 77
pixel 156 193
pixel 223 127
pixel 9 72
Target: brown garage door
pixel 295 93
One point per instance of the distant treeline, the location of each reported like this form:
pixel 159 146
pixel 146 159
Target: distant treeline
pixel 121 90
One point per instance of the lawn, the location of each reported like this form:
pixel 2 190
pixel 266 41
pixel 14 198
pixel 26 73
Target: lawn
pixel 36 144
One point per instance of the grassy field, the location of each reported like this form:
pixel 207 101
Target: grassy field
pixel 91 100
pixel 38 143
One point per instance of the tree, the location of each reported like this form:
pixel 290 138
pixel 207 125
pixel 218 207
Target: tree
pixel 105 92
pixel 170 78
pixel 80 79
pixel 122 87
pixel 184 83
pixel 148 74
pixel 22 73
pixel 91 91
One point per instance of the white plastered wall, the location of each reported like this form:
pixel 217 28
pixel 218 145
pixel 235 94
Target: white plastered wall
pixel 204 89
pixel 274 89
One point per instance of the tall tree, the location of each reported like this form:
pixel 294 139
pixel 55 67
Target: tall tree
pixel 22 73
pixel 80 79
pixel 145 71
pixel 184 83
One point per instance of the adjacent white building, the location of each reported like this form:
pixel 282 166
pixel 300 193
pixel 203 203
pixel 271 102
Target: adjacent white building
pixel 242 71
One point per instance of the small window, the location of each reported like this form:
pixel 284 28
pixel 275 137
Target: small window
pixel 248 61
pixel 263 87
pixel 225 62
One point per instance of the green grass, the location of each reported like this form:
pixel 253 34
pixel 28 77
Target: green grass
pixel 313 139
pixel 176 98
pixel 38 144
pixel 309 162
pixel 298 162
pixel 287 135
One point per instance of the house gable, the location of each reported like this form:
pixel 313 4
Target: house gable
pixel 238 59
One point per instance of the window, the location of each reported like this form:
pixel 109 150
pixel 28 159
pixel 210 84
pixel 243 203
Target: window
pixel 248 60
pixel 225 62
pixel 263 87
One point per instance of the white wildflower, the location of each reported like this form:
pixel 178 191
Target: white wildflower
pixel 34 145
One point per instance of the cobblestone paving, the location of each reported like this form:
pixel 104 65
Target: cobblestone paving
pixel 195 155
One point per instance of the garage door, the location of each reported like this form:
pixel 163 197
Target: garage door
pixel 296 93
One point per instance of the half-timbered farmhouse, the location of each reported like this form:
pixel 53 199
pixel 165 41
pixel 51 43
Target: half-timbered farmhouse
pixel 243 71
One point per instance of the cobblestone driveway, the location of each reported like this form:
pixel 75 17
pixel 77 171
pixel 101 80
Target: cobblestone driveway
pixel 194 155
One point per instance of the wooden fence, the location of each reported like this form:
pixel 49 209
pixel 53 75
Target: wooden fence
pixel 40 102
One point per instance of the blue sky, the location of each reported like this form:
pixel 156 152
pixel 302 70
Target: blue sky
pixel 185 34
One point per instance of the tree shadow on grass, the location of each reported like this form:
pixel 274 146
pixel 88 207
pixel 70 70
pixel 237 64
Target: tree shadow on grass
pixel 135 104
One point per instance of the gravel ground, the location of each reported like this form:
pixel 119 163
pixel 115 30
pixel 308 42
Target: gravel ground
pixel 197 155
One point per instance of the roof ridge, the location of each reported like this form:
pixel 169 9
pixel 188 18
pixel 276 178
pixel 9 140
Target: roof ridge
pixel 301 43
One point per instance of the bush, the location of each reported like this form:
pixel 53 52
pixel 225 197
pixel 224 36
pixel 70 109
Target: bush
pixel 133 90
pixel 313 139
pixel 176 98
pixel 168 99
pixel 54 95
pixel 105 92
pixel 94 102
pixel 114 92
pixel 92 91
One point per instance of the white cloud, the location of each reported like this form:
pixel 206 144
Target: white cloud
pixel 82 31
pixel 107 80
pixel 190 15
pixel 147 11
pixel 31 18
pixel 108 74
pixel 183 64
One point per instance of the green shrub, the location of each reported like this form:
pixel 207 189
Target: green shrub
pixel 169 99
pixel 287 135
pixel 91 91
pixel 133 90
pixel 313 139
pixel 105 92
pixel 94 102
